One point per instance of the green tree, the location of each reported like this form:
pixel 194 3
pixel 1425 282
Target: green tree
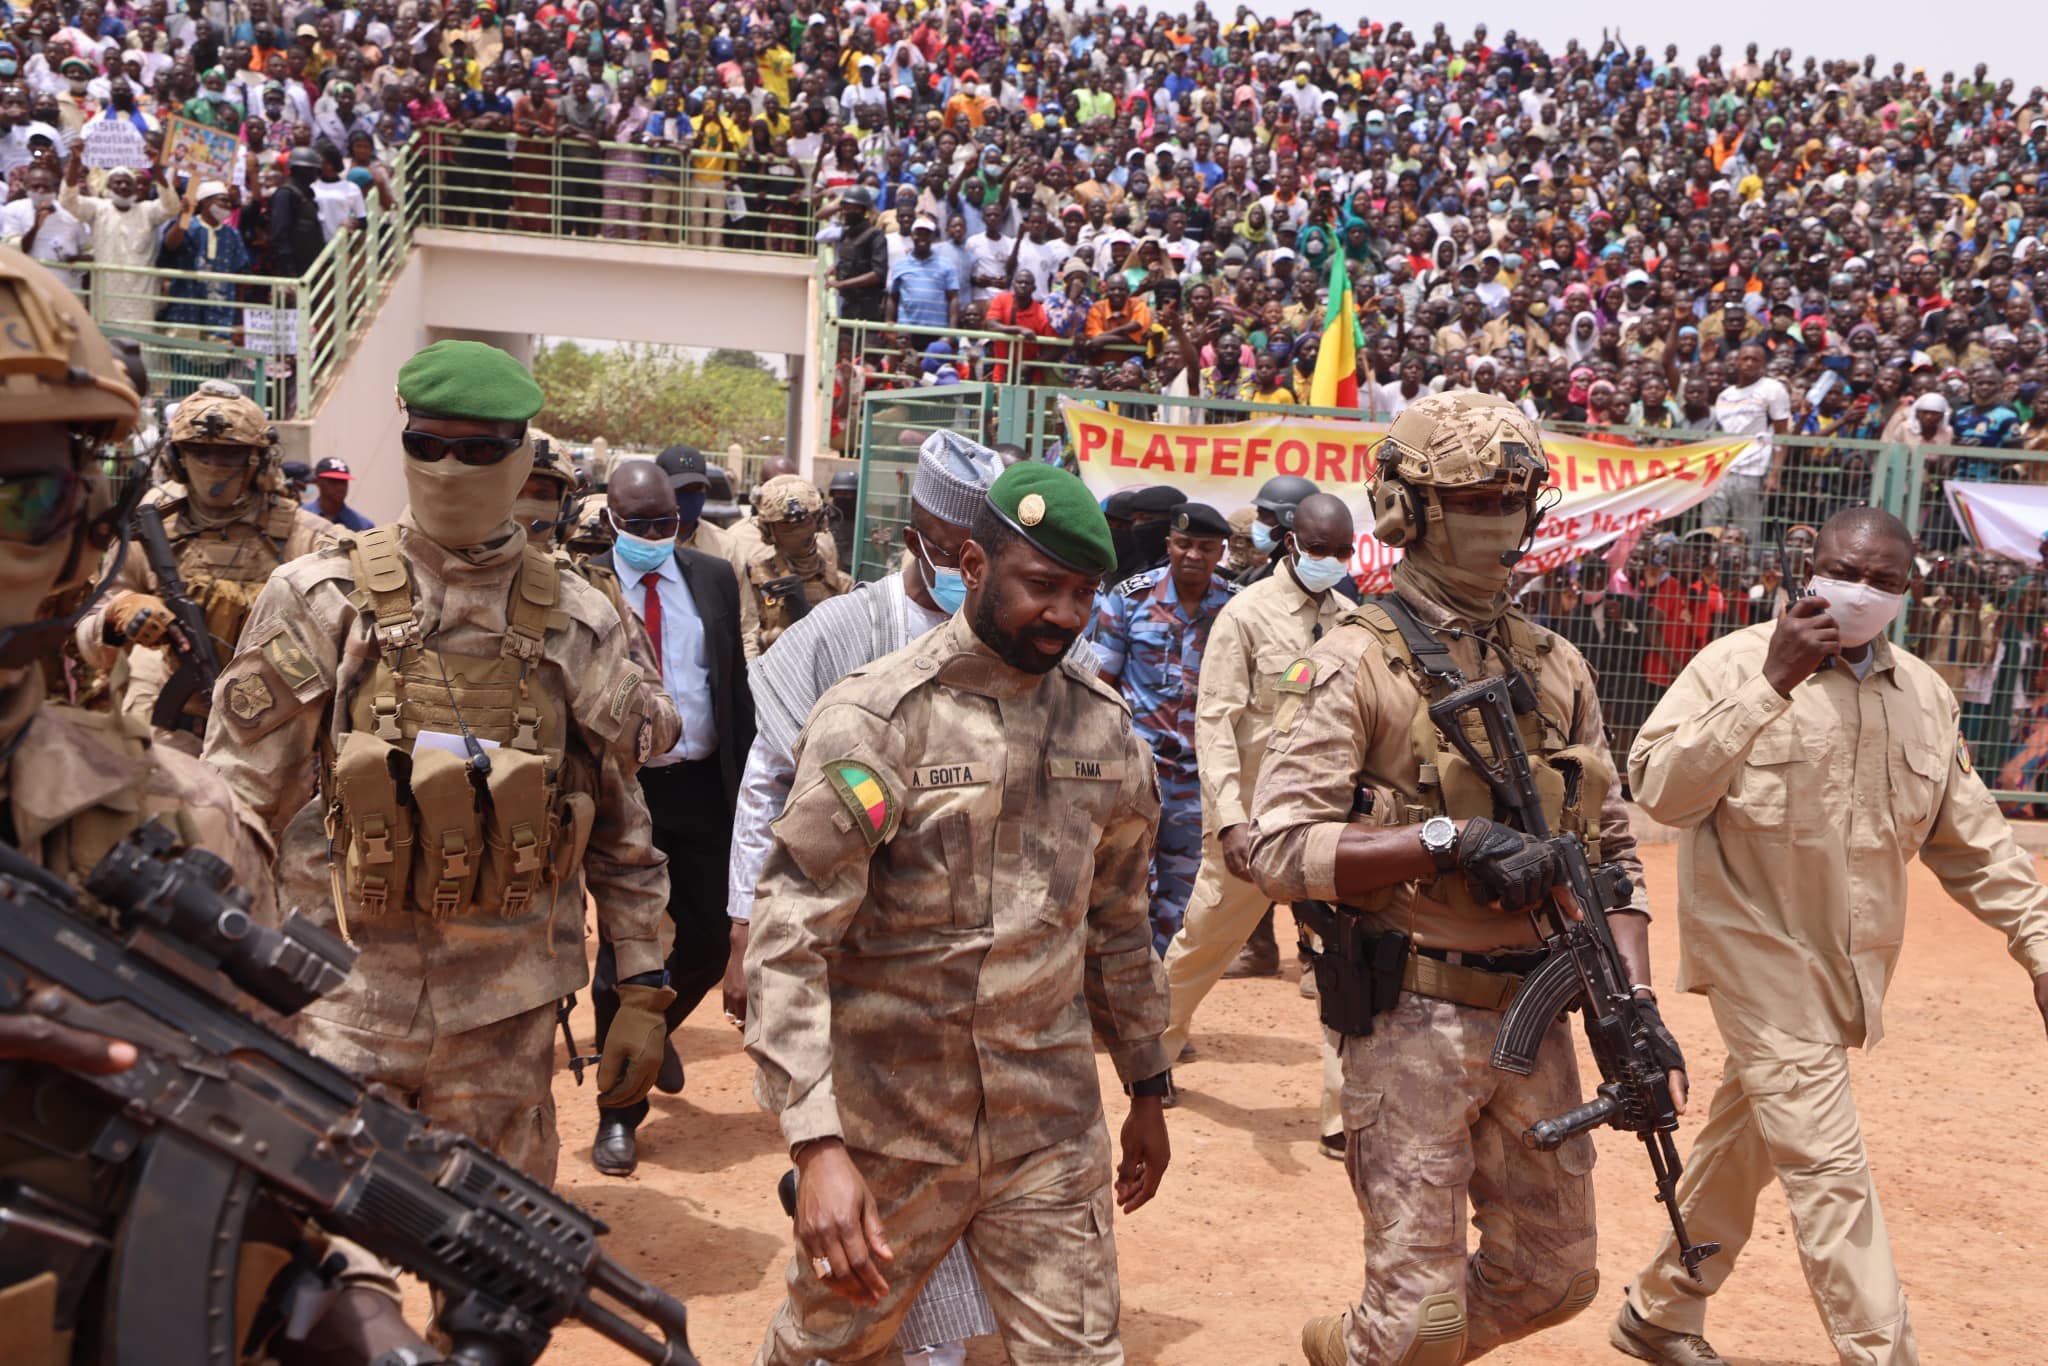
pixel 646 397
pixel 737 360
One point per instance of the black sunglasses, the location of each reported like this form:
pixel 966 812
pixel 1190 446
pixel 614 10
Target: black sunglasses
pixel 648 528
pixel 467 450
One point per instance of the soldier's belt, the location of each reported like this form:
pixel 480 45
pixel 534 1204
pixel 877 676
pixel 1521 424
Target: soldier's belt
pixel 1459 984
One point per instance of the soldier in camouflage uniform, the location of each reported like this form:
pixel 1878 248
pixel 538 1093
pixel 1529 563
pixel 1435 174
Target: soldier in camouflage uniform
pixel 1361 803
pixel 1150 632
pixel 959 867
pixel 230 527
pixel 790 569
pixel 72 785
pixel 458 872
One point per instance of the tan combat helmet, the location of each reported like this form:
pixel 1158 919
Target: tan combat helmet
pixel 788 498
pixel 1457 439
pixel 219 414
pixel 56 366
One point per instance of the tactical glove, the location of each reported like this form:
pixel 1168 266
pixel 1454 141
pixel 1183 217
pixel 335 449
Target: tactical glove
pixel 1505 865
pixel 632 1046
pixel 139 619
pixel 1663 1044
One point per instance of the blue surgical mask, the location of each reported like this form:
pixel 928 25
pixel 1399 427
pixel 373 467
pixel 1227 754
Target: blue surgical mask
pixel 1319 573
pixel 1263 539
pixel 946 586
pixel 1497 205
pixel 8 66
pixel 643 555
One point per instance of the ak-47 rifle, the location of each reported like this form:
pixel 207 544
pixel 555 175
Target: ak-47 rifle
pixel 218 1108
pixel 1584 970
pixel 198 664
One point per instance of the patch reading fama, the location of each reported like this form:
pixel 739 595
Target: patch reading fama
pixel 948 775
pixel 1299 676
pixel 249 697
pixel 1094 770
pixel 293 665
pixel 866 798
pixel 622 696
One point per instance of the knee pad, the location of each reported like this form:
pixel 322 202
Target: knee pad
pixel 1439 1332
pixel 1578 1293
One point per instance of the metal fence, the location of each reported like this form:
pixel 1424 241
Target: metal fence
pixel 1978 618
pixel 562 186
pixel 281 339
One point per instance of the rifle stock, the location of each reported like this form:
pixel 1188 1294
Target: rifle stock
pixel 223 1104
pixel 198 663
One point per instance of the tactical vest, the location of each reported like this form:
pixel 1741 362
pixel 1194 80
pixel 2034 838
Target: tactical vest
pixel 1571 779
pixel 75 848
pixel 422 828
pixel 775 614
pixel 225 567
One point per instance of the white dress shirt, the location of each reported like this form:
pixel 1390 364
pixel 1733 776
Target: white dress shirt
pixel 685 667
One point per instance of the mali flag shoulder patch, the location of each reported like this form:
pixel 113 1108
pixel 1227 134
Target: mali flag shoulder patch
pixel 1963 756
pixel 867 799
pixel 1299 676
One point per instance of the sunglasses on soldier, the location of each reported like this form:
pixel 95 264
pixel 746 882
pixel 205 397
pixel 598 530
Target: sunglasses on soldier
pixel 467 450
pixel 35 507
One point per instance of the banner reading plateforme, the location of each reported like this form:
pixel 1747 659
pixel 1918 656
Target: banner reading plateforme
pixel 1604 491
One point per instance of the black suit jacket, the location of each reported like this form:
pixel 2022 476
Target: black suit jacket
pixel 717 595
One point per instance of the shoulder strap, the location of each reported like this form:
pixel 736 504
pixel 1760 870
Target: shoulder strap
pixel 1431 655
pixel 284 519
pixel 385 582
pixel 533 599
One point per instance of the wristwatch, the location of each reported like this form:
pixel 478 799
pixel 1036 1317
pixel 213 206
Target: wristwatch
pixel 1440 842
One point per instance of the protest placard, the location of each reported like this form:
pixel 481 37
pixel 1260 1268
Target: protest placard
pixel 113 144
pixel 201 152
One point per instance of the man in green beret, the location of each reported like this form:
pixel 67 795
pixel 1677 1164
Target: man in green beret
pixel 963 856
pixel 477 724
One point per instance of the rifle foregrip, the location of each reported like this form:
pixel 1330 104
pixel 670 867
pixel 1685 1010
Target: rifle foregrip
pixel 1547 1135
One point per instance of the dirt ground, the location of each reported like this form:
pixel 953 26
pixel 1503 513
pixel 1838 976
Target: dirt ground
pixel 1254 1231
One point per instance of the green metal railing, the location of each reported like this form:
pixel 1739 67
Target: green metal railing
pixel 282 338
pixel 565 187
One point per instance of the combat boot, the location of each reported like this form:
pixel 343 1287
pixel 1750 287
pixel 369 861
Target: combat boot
pixel 1633 1335
pixel 1260 956
pixel 1322 1341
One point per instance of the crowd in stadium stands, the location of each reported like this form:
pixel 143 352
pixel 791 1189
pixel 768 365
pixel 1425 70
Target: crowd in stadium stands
pixel 1129 199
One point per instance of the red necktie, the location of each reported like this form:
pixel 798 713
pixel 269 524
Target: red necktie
pixel 652 613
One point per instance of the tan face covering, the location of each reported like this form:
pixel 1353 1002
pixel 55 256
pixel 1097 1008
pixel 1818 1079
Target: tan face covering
pixel 217 488
pixel 459 505
pixel 1459 565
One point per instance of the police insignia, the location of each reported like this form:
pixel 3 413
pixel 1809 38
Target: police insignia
pixel 1299 676
pixel 249 698
pixel 1963 755
pixel 866 798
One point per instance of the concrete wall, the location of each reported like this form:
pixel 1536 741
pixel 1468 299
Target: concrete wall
pixel 504 290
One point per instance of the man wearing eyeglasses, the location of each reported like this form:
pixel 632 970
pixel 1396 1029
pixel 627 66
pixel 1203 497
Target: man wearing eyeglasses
pixel 688 603
pixel 229 525
pixel 477 723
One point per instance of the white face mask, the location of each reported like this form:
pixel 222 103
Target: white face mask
pixel 1860 611
pixel 216 214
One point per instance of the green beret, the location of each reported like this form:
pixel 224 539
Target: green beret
pixel 469 379
pixel 1054 511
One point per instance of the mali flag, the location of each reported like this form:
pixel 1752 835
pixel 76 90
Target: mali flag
pixel 1335 384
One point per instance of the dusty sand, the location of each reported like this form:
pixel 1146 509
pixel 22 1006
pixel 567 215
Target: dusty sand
pixel 1254 1231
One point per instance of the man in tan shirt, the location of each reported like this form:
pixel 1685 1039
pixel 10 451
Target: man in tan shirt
pixel 1803 787
pixel 1257 635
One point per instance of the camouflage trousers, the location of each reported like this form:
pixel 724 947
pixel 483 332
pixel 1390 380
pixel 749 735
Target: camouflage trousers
pixel 1434 1147
pixel 1037 1228
pixel 1176 852
pixel 492 1083
pixel 1784 1112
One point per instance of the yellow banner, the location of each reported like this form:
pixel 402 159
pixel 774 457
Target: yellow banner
pixel 1605 490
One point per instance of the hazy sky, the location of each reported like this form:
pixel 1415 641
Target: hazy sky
pixel 1939 36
